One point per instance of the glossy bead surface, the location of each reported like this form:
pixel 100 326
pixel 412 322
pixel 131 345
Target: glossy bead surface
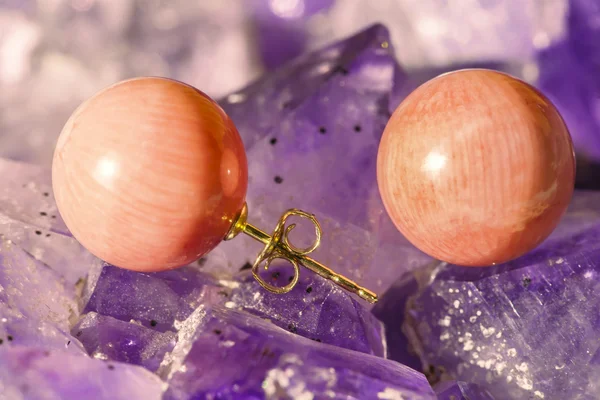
pixel 149 174
pixel 476 167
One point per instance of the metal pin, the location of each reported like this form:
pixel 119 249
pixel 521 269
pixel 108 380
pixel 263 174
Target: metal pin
pixel 278 246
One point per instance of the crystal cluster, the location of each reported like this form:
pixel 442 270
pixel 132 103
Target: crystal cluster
pixel 317 340
pixel 320 153
pixel 73 327
pixel 525 329
pixel 235 355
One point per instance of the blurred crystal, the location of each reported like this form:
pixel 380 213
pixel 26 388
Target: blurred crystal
pixel 55 54
pixel 30 220
pixel 17 329
pixel 32 289
pixel 456 390
pixel 568 74
pixel 34 373
pixel 257 359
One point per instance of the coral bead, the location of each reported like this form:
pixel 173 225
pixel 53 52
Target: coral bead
pixel 149 174
pixel 476 167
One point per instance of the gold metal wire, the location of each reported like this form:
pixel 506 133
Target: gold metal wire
pixel 278 246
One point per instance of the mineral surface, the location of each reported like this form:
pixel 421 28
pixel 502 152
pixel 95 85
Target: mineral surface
pixel 37 373
pixel 523 329
pixel 311 130
pixel 228 354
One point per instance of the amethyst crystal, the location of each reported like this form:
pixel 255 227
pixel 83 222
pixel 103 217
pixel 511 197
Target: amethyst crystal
pixel 315 309
pixel 17 329
pixel 523 329
pixel 35 373
pixel 311 130
pixel 456 390
pixel 30 288
pixel 153 300
pixel 281 28
pixel 568 74
pixel 30 219
pixel 110 339
pixel 228 354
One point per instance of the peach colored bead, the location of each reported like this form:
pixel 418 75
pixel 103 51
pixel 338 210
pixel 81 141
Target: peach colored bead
pixel 149 174
pixel 476 167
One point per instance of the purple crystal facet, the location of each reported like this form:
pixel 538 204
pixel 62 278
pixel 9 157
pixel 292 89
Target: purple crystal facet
pixel 34 373
pixel 17 329
pixel 228 354
pixel 525 328
pixel 31 288
pixel 568 75
pixel 315 309
pixel 311 130
pixel 108 338
pixel 154 300
pixel 456 390
pixel 30 219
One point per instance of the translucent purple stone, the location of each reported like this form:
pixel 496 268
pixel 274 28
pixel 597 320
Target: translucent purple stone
pixel 311 130
pixel 315 309
pixel 37 373
pixel 108 338
pixel 233 355
pixel 153 300
pixel 30 219
pixel 525 329
pixel 456 390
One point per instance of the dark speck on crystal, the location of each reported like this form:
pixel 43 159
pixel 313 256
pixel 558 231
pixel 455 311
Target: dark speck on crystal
pixel 43 214
pixel 38 232
pixel 526 281
pixel 246 266
pixel 46 194
pixel 309 289
pixel 322 130
pixel 202 261
pixel 275 275
pixel 111 367
pixel 217 331
pixel 278 179
pixel 10 338
pixel 357 128
pixel 341 70
pixel 79 333
pixel 153 323
pixel 273 141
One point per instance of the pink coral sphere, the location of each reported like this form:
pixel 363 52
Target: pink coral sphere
pixel 476 167
pixel 149 174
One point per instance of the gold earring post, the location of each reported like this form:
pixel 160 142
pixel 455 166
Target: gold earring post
pixel 278 246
